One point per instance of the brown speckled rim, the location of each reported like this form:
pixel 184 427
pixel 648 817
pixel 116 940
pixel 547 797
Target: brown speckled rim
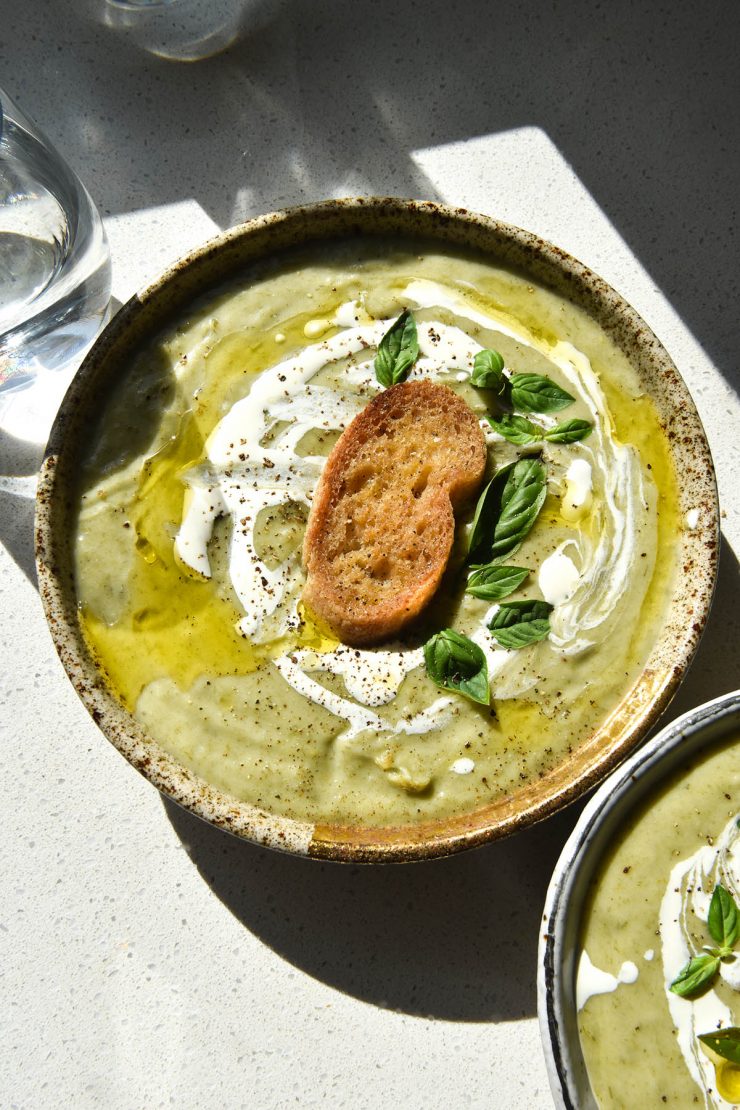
pixel 220 259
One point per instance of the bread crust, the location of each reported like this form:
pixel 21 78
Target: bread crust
pixel 382 523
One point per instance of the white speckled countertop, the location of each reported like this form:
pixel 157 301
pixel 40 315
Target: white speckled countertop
pixel 147 960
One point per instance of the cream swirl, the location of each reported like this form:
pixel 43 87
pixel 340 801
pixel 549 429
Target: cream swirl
pixel 254 462
pixel 688 894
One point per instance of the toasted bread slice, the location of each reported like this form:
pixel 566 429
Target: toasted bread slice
pixel 381 525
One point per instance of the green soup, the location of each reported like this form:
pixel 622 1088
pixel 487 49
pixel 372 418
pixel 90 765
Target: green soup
pixel 647 917
pixel 194 498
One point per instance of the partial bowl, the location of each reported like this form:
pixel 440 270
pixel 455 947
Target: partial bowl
pixel 672 751
pixel 456 229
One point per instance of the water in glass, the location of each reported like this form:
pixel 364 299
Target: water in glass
pixel 54 258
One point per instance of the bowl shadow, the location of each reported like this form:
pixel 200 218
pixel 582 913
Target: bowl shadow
pixel 716 666
pixel 453 939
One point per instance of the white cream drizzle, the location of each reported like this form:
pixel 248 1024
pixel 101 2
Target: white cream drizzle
pixel 463 766
pixel 558 576
pixel 689 889
pixel 251 477
pixel 591 980
pixel 578 486
pixel 350 313
pixel 358 717
pixel 371 677
pixel 610 572
pixel 242 477
pixel 202 505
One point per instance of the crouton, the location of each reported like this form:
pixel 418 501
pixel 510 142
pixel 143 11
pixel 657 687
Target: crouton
pixel 382 524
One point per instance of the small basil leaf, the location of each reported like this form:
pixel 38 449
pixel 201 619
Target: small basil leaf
pixel 570 431
pixel 488 371
pixel 493 582
pixel 456 663
pixel 517 429
pixel 696 974
pixel 520 623
pixel 723 920
pixel 535 393
pixel 398 350
pixel 725 1042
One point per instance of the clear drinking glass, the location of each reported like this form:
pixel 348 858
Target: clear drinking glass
pixel 54 260
pixel 183 30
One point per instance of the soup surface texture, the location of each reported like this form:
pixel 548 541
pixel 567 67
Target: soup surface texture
pixel 193 503
pixel 646 919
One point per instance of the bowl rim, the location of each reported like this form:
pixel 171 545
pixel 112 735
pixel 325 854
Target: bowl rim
pixel 503 244
pixel 638 776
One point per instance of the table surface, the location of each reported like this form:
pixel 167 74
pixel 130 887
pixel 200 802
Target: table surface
pixel 147 959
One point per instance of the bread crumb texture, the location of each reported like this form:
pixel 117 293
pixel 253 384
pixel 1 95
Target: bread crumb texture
pixel 382 522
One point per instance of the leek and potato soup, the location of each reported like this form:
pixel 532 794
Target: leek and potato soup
pixel 195 493
pixel 659 972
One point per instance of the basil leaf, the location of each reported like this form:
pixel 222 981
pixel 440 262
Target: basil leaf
pixel 517 429
pixel 507 509
pixel 725 1042
pixel 535 393
pixel 455 663
pixel 398 350
pixel 493 582
pixel 697 973
pixel 522 498
pixel 520 623
pixel 488 371
pixel 569 432
pixel 723 920
pixel 487 512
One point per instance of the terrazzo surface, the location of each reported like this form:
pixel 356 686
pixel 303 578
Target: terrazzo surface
pixel 146 959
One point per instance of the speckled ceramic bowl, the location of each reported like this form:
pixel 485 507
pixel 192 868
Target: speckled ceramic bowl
pixel 570 886
pixel 212 264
